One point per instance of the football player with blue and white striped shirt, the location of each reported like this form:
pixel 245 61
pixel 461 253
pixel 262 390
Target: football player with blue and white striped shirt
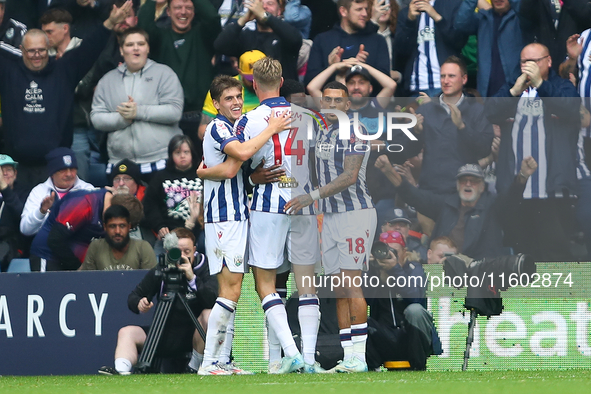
pixel 349 220
pixel 226 215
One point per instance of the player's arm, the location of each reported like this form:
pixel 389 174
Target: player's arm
pixel 245 150
pixel 347 178
pixel 226 170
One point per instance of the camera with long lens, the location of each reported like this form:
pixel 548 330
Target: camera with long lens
pixel 485 298
pixel 380 250
pixel 172 276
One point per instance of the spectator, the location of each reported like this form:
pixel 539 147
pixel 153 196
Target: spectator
pixel 546 110
pixel 11 206
pixel 86 14
pixel 299 16
pixel 455 130
pixel 118 251
pixel 41 119
pixel 552 22
pixel 186 46
pixel 351 38
pixel 249 97
pixel 397 220
pixel 324 15
pixel 294 92
pixel 499 41
pixel 173 196
pixel 56 24
pixel 139 128
pixel 179 335
pixel 74 222
pixel 399 325
pixel 425 37
pixel 126 179
pixel 273 36
pixel 11 31
pixel 63 178
pixel 384 14
pixel 471 218
pixel 439 248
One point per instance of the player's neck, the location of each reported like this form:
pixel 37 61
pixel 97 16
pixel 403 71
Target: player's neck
pixel 262 96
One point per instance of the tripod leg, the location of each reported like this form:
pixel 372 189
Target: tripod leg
pixel 155 333
pixel 469 338
pixel 200 329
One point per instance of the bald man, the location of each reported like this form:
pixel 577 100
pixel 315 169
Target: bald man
pixel 539 117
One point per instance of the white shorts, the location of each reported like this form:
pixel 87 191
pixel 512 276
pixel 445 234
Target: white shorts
pixel 346 240
pixel 276 237
pixel 226 244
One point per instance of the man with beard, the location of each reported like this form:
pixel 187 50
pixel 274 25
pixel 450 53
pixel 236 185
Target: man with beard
pixel 473 217
pixel 117 251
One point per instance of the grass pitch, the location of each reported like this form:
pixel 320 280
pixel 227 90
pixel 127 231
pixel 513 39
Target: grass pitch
pixel 522 382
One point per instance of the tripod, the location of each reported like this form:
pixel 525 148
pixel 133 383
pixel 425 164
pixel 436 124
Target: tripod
pixel 175 288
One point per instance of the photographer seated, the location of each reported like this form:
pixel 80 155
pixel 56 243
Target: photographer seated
pixel 179 335
pixel 399 325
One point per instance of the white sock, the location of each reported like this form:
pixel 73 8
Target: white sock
pixel 123 365
pixel 277 318
pixel 346 343
pixel 309 317
pixel 227 345
pixel 359 338
pixel 196 360
pixel 216 329
pixel 274 344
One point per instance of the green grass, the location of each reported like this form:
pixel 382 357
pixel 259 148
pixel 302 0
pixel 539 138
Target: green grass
pixel 522 382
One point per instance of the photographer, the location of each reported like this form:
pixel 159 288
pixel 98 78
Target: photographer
pixel 400 327
pixel 179 332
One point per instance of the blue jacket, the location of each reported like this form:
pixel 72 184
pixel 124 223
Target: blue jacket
pixel 562 123
pixel 446 148
pixel 325 42
pixel 510 39
pixel 448 40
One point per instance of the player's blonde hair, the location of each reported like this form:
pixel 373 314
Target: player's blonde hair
pixel 267 74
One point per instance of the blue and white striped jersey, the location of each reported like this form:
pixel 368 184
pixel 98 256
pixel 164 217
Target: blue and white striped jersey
pixel 584 64
pixel 223 200
pixel 426 69
pixel 529 139
pixel 289 148
pixel 330 163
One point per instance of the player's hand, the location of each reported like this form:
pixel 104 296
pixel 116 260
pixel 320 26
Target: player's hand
pixel 261 175
pixel 185 265
pixel 144 305
pixel 296 204
pixel 521 84
pixel 456 116
pixel 335 55
pixel 47 203
pixel 280 121
pixel 528 166
pixel 162 232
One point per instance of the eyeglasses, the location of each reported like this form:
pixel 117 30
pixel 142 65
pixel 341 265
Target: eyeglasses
pixel 124 179
pixel 33 52
pixel 329 100
pixel 523 61
pixel 472 181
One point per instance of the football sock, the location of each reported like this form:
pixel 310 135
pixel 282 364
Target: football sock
pixel 274 344
pixel 216 329
pixel 277 318
pixel 123 365
pixel 346 343
pixel 227 345
pixel 309 317
pixel 196 359
pixel 359 338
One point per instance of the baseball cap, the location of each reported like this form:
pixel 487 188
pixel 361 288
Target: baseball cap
pixel 357 70
pixel 247 61
pixel 470 169
pixel 60 158
pixel 5 159
pixel 392 237
pixel 126 167
pixel 397 215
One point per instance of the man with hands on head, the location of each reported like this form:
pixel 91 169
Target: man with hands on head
pixel 179 335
